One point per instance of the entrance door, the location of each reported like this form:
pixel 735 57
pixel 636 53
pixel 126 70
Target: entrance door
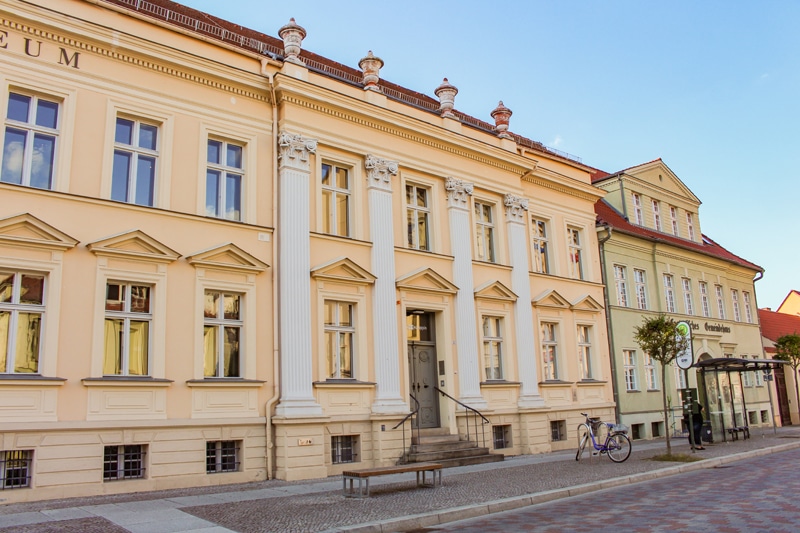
pixel 783 398
pixel 422 366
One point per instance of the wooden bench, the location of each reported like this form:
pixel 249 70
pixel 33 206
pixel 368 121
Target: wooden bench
pixel 734 432
pixel 364 474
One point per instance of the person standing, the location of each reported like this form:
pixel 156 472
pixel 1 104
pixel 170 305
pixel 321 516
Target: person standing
pixel 697 426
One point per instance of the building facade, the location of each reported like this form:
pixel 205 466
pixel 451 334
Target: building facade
pixel 656 260
pixel 226 259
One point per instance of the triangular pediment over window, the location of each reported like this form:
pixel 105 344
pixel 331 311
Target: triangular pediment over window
pixel 27 230
pixel 344 270
pixel 551 298
pixel 134 244
pixel 587 303
pixel 227 257
pixel 426 279
pixel 494 290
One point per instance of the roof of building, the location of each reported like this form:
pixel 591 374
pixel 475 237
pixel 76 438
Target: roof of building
pixel 774 325
pixel 791 293
pixel 195 21
pixel 606 214
pixel 600 175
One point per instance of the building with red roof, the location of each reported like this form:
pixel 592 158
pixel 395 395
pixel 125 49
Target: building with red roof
pixel 657 260
pixel 774 325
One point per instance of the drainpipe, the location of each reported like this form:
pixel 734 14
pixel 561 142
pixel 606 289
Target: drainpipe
pixel 269 445
pixel 609 328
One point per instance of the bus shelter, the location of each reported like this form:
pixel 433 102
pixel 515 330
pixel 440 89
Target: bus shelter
pixel 724 399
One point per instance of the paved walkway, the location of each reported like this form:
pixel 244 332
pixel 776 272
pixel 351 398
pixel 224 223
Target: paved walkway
pixel 396 503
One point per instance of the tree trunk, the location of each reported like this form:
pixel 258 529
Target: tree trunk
pixel 797 390
pixel 664 402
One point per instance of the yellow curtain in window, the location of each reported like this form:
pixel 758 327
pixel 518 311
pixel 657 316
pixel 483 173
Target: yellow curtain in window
pixel 112 349
pixel 210 351
pixel 138 349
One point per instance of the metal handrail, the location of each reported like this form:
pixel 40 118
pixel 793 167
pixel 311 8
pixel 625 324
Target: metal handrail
pixel 475 414
pixel 402 423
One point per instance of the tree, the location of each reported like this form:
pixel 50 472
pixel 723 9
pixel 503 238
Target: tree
pixel 658 336
pixel 787 348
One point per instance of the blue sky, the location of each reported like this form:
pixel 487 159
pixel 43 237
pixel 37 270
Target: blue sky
pixel 711 87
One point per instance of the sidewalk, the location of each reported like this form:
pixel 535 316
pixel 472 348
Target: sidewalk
pixel 396 503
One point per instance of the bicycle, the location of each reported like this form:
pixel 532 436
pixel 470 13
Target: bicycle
pixel 617 445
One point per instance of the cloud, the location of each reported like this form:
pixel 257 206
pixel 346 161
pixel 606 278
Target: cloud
pixel 555 143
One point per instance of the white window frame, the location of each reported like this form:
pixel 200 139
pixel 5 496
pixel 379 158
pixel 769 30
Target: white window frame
pixel 690 225
pixel 492 339
pixel 485 231
pixel 637 208
pixel 540 245
pixel 137 152
pixel 330 224
pixel 620 281
pixel 340 331
pixel 669 293
pixel 14 308
pixel 127 316
pixel 640 283
pixel 673 215
pixel 585 355
pixel 413 230
pixel 225 170
pixel 720 294
pixel 680 377
pixel 656 215
pixel 748 310
pixel 221 323
pixel 704 303
pixel 737 313
pixel 551 370
pixel 651 373
pixel 32 130
pixel 686 285
pixel 575 253
pixel 120 453
pixel 629 364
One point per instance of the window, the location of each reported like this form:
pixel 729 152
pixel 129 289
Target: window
pixel 621 283
pixel 127 329
pixel 669 293
pixel 656 428
pixel 575 260
pixel 747 377
pixel 637 209
pixel 656 215
pixel 673 215
pixel 687 295
pixel 759 375
pixel 339 333
pixel 501 437
pixel 135 153
pixel 629 362
pixel 690 225
pixel 737 315
pixel 224 180
pixel 29 148
pixel 680 377
pixel 336 197
pixel 650 372
pixel 222 331
pixel 21 313
pixel 541 261
pixel 558 430
pixel 493 347
pixel 641 288
pixel 585 351
pixel 16 467
pixel 484 230
pixel 417 216
pixel 549 351
pixel 748 311
pixel 706 307
pixel 123 462
pixel 720 301
pixel 222 456
pixel 344 449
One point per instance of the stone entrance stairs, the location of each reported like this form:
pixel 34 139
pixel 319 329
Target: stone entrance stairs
pixel 439 446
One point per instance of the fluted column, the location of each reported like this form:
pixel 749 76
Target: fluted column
pixel 516 213
pixel 384 292
pixel 469 378
pixel 297 395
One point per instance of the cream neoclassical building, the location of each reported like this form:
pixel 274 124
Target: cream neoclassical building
pixel 657 260
pixel 225 259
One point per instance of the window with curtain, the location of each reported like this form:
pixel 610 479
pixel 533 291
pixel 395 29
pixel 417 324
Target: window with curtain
pixel 128 322
pixel 222 333
pixel 21 314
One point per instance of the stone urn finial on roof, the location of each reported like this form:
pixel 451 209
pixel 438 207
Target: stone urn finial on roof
pixel 501 116
pixel 371 65
pixel 292 35
pixel 447 97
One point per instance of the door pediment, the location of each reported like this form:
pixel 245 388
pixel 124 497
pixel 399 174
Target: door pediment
pixel 586 303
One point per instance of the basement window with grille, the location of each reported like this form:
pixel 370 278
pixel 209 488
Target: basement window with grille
pixel 222 456
pixel 123 462
pixel 558 430
pixel 502 437
pixel 344 449
pixel 15 469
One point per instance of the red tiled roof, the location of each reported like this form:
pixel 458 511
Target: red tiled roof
pixel 606 214
pixel 254 41
pixel 775 325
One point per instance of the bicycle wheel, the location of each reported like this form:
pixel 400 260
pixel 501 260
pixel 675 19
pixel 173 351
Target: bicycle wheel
pixel 583 438
pixel 619 447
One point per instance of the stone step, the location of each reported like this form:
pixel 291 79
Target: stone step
pixel 434 439
pixel 435 447
pixel 442 455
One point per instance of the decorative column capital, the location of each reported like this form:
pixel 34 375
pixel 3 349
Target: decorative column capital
pixel 516 206
pixel 294 150
pixel 380 172
pixel 458 192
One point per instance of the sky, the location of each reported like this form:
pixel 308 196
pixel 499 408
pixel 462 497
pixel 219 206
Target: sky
pixel 712 88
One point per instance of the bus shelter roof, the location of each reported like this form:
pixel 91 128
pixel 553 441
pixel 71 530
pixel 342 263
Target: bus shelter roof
pixel 733 364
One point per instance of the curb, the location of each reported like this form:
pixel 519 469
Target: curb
pixel 436 518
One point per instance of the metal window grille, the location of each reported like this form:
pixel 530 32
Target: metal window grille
pixel 343 449
pixel 501 436
pixel 123 462
pixel 558 430
pixel 16 469
pixel 222 456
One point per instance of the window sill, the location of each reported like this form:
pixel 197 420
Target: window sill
pixel 634 391
pixel 499 383
pixel 30 379
pixel 225 382
pixel 126 381
pixel 343 383
pixel 554 383
pixel 592 382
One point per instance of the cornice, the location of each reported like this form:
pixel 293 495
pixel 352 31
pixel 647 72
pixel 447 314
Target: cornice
pixel 564 185
pixel 658 193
